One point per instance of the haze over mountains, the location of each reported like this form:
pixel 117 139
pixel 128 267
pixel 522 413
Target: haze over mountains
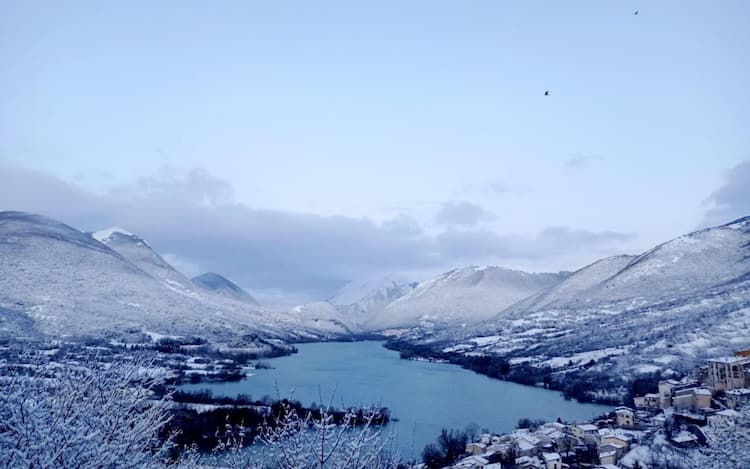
pixel 681 300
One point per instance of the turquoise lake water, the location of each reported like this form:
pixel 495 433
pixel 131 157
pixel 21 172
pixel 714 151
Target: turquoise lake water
pixel 423 396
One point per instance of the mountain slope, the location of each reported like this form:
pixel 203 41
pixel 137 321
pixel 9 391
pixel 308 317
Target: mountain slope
pixel 138 252
pixel 669 308
pixel 465 294
pixel 221 285
pixel 355 304
pixel 573 288
pixel 69 283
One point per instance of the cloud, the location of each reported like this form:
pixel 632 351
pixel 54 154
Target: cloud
pixel 477 244
pixel 498 187
pixel 581 161
pixel 461 214
pixel 192 217
pixel 732 199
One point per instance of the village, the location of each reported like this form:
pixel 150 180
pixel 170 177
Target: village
pixel 678 416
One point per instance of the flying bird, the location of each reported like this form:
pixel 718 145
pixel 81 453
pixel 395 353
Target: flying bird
pixel 546 93
pixel 636 12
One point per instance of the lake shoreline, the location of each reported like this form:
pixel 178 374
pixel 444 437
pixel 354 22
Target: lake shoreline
pixel 423 396
pixel 497 367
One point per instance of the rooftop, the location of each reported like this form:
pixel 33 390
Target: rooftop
pixel 587 427
pixel 729 413
pixel 730 360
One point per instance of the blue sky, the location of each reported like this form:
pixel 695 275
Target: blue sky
pixel 424 117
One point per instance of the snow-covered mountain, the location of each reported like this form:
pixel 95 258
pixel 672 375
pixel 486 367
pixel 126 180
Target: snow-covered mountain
pixel 356 303
pixel 573 288
pixel 71 283
pixel 669 308
pixel 465 294
pixel 221 285
pixel 139 253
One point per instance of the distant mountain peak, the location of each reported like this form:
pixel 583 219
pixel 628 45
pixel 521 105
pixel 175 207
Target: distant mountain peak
pixel 381 289
pixel 104 236
pixel 217 283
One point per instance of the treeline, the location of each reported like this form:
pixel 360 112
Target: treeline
pixel 498 367
pixel 188 427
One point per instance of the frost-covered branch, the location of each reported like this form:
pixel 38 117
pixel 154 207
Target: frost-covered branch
pixel 98 415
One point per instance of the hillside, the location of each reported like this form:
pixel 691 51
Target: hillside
pixel 69 283
pixel 665 310
pixel 221 285
pixel 461 295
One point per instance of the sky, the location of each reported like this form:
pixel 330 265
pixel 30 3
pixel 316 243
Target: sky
pixel 294 146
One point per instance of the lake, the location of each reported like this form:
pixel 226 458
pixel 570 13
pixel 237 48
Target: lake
pixel 423 396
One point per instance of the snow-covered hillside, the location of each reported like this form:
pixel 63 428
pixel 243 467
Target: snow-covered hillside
pixel 221 285
pixel 139 253
pixel 668 308
pixel 355 304
pixel 465 294
pixel 70 283
pixel 570 289
pixel 373 294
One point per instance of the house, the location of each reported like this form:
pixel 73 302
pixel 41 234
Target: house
pixel 472 462
pixel 615 438
pixel 607 456
pixel 526 448
pixel 725 373
pixel 583 429
pixel 552 460
pixel 692 398
pixel 665 392
pixel 528 462
pixel 586 432
pixel 738 397
pixel 476 448
pixel 725 417
pixel 701 398
pixel 685 439
pixel 552 435
pixel 647 401
pixel 625 417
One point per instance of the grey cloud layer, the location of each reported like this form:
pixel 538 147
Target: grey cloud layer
pixel 192 215
pixel 461 214
pixel 732 199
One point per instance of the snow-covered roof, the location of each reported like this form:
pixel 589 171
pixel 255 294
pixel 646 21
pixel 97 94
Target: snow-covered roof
pixel 684 437
pixel 550 456
pixel 616 433
pixel 587 427
pixel 702 392
pixel 729 413
pixel 730 360
pixel 525 445
pixel 739 391
pixel 472 461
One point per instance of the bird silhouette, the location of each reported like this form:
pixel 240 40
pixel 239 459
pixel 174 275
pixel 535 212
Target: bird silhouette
pixel 546 93
pixel 636 12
